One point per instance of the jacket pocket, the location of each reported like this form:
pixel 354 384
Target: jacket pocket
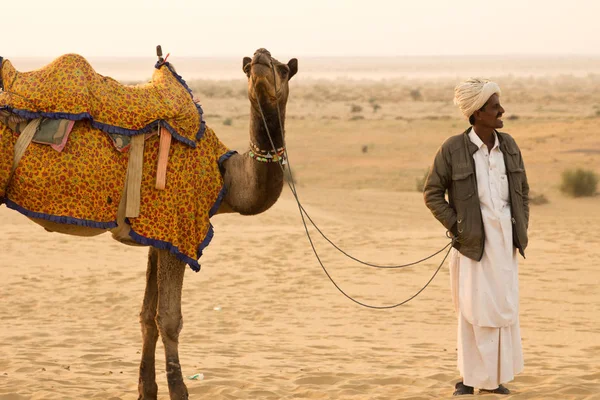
pixel 463 185
pixel 514 169
pixel 516 180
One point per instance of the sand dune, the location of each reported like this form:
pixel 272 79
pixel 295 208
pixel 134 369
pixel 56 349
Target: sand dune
pixel 261 319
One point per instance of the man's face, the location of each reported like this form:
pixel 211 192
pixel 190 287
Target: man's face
pixel 491 113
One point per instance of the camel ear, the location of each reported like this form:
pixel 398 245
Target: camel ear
pixel 293 64
pixel 245 64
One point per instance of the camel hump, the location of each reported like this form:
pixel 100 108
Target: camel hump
pixel 73 58
pixel 69 88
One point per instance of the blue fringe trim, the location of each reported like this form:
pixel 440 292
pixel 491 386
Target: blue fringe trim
pixel 59 219
pixel 226 156
pixel 160 244
pixel 223 191
pixel 183 83
pixel 220 197
pixel 99 125
pixel 202 123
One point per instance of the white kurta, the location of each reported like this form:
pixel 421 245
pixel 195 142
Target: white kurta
pixel 486 292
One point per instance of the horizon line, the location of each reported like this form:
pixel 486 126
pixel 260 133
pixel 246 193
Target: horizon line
pixel 315 56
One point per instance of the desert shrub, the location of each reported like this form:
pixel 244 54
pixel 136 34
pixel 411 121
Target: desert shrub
pixel 416 95
pixel 374 104
pixel 436 117
pixel 420 182
pixel 579 182
pixel 356 117
pixel 513 117
pixel 219 89
pixel 537 199
pixel 228 121
pixel 355 108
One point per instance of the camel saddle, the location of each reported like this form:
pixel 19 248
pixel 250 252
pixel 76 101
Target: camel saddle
pixel 42 106
pixel 69 89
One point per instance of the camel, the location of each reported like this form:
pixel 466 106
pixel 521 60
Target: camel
pixel 253 182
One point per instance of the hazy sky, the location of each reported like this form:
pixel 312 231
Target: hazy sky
pixel 299 28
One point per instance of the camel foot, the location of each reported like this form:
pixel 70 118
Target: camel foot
pixel 177 389
pixel 147 387
pixel 148 392
pixel 180 393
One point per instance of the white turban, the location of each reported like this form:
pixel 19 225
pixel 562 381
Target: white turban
pixel 473 93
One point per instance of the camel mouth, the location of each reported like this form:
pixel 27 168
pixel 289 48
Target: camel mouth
pixel 261 63
pixel 263 90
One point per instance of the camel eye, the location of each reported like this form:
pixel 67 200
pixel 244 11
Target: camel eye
pixel 284 71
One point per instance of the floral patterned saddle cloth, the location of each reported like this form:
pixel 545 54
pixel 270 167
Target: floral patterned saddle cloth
pixel 69 89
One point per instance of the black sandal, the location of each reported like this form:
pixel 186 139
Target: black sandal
pixel 501 389
pixel 461 389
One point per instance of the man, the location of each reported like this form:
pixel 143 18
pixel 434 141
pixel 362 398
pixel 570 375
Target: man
pixel 487 212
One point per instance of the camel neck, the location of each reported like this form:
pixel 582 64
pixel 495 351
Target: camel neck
pixel 259 133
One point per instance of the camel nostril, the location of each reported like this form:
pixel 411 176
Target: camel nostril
pixel 262 58
pixel 263 51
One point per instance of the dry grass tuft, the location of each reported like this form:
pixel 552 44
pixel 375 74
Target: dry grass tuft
pixel 579 182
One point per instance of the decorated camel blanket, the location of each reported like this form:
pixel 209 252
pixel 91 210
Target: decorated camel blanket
pixel 69 88
pixel 82 184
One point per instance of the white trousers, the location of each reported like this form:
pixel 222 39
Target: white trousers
pixel 488 357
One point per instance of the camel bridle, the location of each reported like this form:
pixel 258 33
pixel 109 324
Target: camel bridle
pixel 284 160
pixel 278 155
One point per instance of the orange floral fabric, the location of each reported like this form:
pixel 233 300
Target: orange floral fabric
pixel 83 185
pixel 83 182
pixel 7 149
pixel 69 88
pixel 178 216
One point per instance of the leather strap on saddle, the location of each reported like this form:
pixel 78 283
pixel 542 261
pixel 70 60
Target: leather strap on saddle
pixel 133 182
pixel 24 140
pixel 163 158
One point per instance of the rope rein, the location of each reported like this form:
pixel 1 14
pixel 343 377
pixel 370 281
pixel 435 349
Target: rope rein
pixel 303 213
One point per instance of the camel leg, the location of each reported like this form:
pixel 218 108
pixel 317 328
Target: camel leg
pixel 147 388
pixel 169 319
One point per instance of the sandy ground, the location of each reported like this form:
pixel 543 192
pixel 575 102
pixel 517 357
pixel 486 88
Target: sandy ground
pixel 262 321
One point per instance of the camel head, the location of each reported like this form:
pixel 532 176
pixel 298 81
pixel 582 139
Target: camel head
pixel 268 80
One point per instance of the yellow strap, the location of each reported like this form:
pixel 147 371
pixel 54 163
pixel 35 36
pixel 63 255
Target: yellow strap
pixel 24 140
pixel 163 158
